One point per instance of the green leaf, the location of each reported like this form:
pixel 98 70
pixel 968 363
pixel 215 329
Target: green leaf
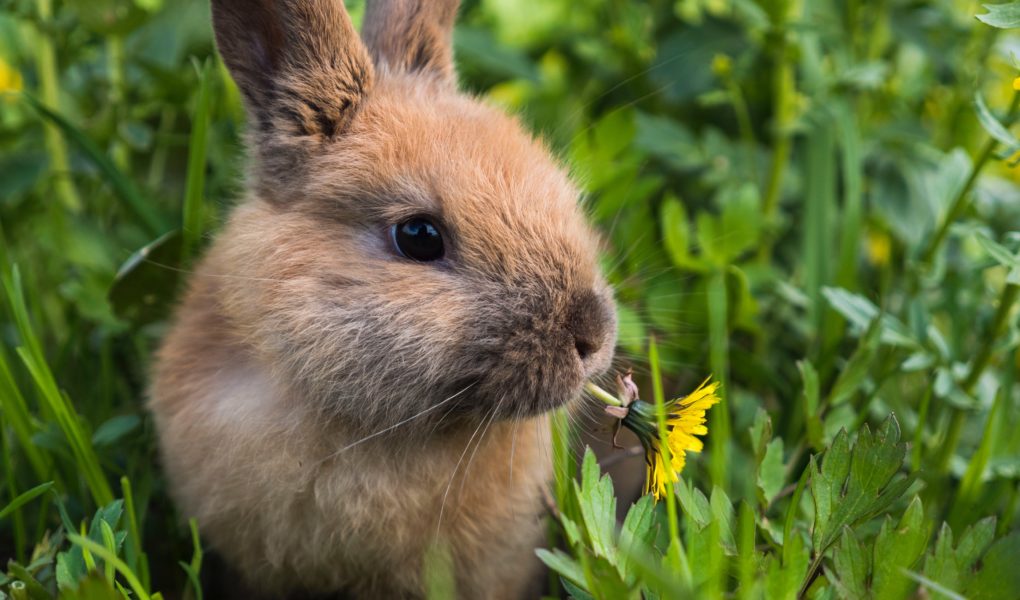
pixel 24 498
pixel 783 580
pixel 562 563
pixel 114 429
pixel 996 129
pixel 598 507
pixel 851 566
pixel 694 503
pixel 999 576
pixel 193 213
pixel 1003 16
pixel 637 534
pixel 771 472
pixel 997 251
pixel 862 312
pixel 897 549
pixel 676 235
pixel 122 186
pixel 723 514
pixel 856 369
pixel 855 484
pixel 811 399
pixel 146 284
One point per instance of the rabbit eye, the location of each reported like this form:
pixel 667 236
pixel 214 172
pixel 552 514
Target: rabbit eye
pixel 418 239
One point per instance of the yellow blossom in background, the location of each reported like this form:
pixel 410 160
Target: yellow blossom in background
pixel 879 248
pixel 1016 84
pixel 10 78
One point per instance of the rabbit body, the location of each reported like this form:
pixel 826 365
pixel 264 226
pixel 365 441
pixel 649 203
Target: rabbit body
pixel 329 409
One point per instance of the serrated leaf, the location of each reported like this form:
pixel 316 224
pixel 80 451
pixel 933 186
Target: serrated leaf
pixel 1003 16
pixel 897 549
pixel 851 567
pixel 637 534
pixel 999 576
pixel 598 507
pixel 854 485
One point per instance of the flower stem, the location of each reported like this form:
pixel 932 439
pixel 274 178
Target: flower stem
pixel 602 394
pixel 682 565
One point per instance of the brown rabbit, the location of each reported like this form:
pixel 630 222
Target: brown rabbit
pixel 362 363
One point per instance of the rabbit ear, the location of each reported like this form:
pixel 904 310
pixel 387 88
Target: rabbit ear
pixel 412 35
pixel 299 63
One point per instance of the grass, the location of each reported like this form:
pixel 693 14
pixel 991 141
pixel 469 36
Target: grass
pixel 816 202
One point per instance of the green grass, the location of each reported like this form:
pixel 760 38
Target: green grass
pixel 816 202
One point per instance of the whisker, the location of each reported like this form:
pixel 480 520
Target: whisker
pixel 398 424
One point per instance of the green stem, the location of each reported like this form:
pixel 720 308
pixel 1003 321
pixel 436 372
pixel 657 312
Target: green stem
pixel 718 343
pixel 960 202
pixel 977 368
pixel 681 565
pixel 115 68
pixel 49 94
pixel 784 92
pixel 602 394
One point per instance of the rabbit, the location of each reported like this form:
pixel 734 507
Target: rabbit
pixel 362 365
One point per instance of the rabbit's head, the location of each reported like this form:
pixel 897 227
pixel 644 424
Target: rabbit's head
pixel 404 247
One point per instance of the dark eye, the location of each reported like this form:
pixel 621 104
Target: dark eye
pixel 418 239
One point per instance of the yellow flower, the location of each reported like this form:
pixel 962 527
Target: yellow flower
pixel 1016 84
pixel 685 419
pixel 879 247
pixel 10 78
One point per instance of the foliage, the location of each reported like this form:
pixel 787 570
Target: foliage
pixel 816 202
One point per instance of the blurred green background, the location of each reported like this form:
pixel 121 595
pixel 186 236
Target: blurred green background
pixel 813 200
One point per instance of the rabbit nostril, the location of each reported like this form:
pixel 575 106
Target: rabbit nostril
pixel 584 348
pixel 587 321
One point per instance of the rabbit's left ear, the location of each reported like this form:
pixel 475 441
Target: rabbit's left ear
pixel 414 36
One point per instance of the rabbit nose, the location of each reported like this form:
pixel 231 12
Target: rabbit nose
pixel 587 322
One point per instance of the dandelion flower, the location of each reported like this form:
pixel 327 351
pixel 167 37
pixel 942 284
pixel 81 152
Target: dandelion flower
pixel 685 420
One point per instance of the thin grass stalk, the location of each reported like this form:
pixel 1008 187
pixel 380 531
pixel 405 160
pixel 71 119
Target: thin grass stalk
pixel 133 547
pixel 969 488
pixel 115 72
pixel 15 411
pixel 677 556
pixel 32 355
pixel 193 217
pixel 718 343
pixel 20 535
pixel 49 94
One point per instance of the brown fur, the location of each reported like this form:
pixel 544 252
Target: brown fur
pixel 328 409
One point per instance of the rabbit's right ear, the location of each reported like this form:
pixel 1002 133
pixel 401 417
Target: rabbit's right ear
pixel 300 64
